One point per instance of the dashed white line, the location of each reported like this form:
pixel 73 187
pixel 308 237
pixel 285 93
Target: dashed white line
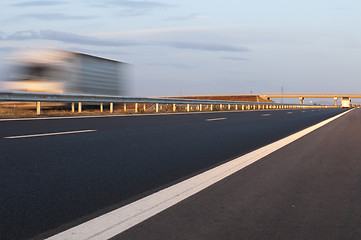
pixel 51 134
pixel 121 219
pixel 215 119
pixel 266 115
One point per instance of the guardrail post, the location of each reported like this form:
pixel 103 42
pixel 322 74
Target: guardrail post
pixel 188 107
pixel 79 107
pixel 101 107
pixel 72 107
pixel 174 107
pixel 111 107
pixel 125 107
pixel 136 108
pixel 157 107
pixel 38 108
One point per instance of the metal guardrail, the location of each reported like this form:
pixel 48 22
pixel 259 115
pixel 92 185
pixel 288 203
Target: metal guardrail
pixel 101 99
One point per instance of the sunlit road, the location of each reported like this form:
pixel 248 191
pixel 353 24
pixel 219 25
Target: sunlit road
pixel 57 173
pixel 310 189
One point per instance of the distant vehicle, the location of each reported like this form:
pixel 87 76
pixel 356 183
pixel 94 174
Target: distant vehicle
pixel 61 71
pixel 345 102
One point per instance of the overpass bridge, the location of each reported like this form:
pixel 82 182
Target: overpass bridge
pixel 302 96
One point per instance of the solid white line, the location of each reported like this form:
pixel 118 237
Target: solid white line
pixel 50 134
pixel 215 119
pixel 119 220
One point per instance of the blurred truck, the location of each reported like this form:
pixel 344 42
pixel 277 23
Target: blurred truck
pixel 345 102
pixel 62 71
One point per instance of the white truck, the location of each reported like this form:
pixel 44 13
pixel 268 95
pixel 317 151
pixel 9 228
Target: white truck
pixel 345 102
pixel 62 71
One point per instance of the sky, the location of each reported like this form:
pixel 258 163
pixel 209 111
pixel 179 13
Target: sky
pixel 201 47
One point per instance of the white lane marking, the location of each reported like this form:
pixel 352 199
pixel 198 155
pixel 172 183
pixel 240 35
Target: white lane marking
pixel 50 134
pixel 215 119
pixel 121 219
pixel 266 115
pixel 289 112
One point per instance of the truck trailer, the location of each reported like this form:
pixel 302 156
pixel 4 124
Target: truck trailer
pixel 345 102
pixel 62 71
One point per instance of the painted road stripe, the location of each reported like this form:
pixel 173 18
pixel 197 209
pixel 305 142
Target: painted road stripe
pixel 119 220
pixel 266 115
pixel 215 119
pixel 51 134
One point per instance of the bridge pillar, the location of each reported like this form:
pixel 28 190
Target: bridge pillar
pixel 200 107
pixel 79 107
pixel 236 107
pixel 136 107
pixel 335 98
pixel 72 107
pixel 301 99
pixel 211 107
pixel 188 107
pixel 157 107
pixel 111 107
pixel 174 107
pixel 101 107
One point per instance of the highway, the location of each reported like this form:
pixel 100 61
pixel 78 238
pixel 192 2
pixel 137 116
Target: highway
pixel 310 189
pixel 57 173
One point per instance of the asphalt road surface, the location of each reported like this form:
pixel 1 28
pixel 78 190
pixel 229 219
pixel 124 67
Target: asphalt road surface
pixel 52 182
pixel 310 189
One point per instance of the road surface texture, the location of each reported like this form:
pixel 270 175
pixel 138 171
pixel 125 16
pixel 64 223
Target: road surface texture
pixel 310 189
pixel 52 182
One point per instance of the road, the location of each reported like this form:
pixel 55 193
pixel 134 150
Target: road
pixel 52 182
pixel 310 189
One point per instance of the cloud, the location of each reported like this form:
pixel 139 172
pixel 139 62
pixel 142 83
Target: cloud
pixel 174 65
pixel 7 49
pixel 68 38
pixel 204 46
pixel 55 17
pixel 132 8
pixel 236 58
pixel 95 41
pixel 188 17
pixel 38 3
pixel 136 4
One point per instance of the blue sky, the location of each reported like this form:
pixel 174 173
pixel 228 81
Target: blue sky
pixel 201 47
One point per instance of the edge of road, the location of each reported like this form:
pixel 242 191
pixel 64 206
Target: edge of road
pixel 146 114
pixel 121 219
